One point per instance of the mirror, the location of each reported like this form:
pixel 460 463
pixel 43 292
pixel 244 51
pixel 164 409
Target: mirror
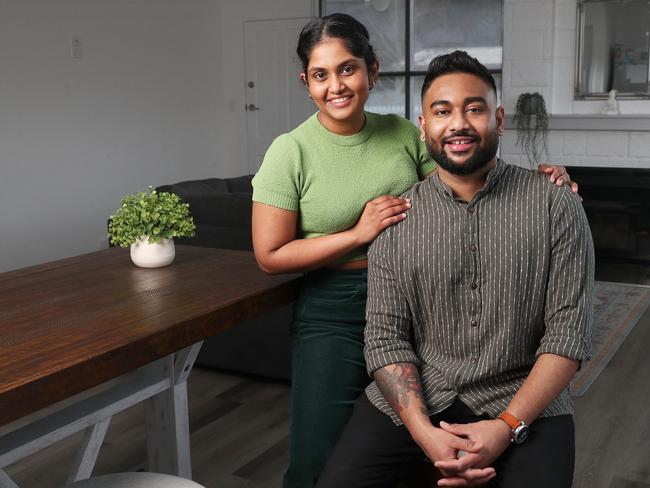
pixel 613 49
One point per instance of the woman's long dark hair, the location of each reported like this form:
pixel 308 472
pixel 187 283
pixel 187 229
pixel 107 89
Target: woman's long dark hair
pixel 338 26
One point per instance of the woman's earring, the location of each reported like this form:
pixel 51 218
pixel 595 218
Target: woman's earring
pixel 309 95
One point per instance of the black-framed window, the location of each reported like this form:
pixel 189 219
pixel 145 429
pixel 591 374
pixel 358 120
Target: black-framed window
pixel 407 34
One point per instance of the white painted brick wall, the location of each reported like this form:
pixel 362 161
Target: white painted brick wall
pixel 555 142
pixel 599 161
pixel 508 143
pixel 539 56
pixel 528 16
pixel 565 15
pixel 565 41
pixel 530 46
pixel 525 73
pixel 586 148
pixel 517 159
pixel 549 44
pixel 607 143
pixel 509 148
pixel 562 102
pixel 563 69
pixel 640 144
pixel 565 160
pixel 575 143
pixel 508 8
pixel 625 162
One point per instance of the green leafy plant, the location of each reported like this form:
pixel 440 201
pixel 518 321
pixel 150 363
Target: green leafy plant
pixel 151 214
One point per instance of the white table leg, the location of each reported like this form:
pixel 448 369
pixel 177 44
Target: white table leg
pixel 167 423
pixel 162 385
pixel 88 451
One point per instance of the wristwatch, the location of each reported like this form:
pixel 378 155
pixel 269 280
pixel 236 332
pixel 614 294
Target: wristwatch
pixel 519 428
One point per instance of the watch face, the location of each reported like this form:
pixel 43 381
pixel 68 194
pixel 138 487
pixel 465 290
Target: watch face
pixel 520 434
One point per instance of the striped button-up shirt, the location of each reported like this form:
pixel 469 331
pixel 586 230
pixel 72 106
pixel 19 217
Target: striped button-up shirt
pixel 472 292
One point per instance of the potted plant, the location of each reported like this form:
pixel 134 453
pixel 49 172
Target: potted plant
pixel 147 222
pixel 531 120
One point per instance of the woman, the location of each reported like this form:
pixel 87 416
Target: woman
pixel 323 193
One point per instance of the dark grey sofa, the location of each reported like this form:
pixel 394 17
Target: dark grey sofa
pixel 221 209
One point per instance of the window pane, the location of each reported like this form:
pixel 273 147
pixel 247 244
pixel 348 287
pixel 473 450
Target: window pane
pixel 388 96
pixel 385 21
pixel 442 26
pixel 416 87
pixel 497 80
pixel 416 105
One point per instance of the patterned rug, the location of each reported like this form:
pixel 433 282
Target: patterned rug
pixel 617 309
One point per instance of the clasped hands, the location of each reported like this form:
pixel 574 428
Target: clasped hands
pixel 482 442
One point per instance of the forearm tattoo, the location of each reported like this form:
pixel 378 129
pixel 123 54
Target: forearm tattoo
pixel 397 382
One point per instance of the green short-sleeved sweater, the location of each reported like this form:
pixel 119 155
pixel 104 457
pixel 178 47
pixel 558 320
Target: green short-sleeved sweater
pixel 328 178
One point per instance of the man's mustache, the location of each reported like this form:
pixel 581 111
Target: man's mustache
pixel 462 133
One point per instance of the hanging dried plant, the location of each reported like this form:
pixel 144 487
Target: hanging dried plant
pixel 531 120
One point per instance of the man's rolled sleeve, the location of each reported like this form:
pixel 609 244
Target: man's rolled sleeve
pixel 388 317
pixel 569 296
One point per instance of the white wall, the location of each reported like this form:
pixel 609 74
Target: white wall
pixel 539 55
pixel 139 108
pixel 156 98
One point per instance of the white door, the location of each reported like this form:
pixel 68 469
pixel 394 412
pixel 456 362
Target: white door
pixel 276 100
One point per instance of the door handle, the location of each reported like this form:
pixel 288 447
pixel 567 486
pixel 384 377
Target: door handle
pixel 251 107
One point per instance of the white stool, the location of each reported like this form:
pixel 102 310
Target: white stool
pixel 135 480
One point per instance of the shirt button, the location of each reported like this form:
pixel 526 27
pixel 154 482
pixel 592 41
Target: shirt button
pixel 474 323
pixel 472 248
pixel 474 286
pixel 470 209
pixel 473 360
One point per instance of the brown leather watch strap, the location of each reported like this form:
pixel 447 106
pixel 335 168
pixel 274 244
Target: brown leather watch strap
pixel 512 421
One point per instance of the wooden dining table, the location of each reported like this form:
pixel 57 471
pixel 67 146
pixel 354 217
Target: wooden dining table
pixel 84 338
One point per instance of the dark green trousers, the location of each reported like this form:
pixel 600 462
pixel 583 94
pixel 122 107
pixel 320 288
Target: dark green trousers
pixel 328 370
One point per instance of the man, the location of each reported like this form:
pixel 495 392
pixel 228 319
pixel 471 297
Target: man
pixel 479 311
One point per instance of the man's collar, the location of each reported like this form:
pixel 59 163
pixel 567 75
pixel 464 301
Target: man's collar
pixel 493 176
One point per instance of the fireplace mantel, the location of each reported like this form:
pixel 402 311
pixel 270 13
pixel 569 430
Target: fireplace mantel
pixel 594 122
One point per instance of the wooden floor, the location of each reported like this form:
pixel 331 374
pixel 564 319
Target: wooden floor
pixel 239 425
pixel 613 417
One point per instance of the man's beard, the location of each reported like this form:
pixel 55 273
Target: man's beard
pixel 481 157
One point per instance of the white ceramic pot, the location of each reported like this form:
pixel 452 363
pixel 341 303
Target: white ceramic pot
pixel 154 255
